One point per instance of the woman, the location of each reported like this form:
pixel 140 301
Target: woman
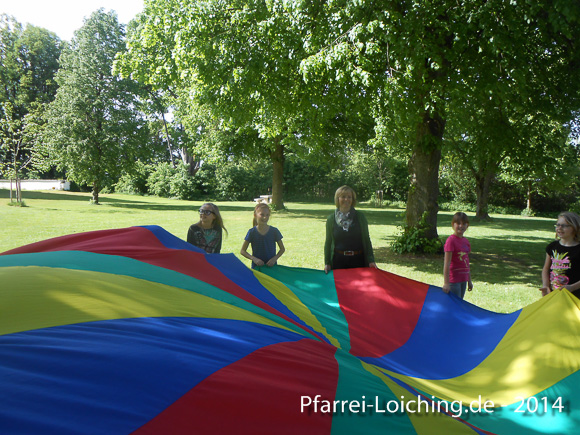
pixel 207 233
pixel 348 243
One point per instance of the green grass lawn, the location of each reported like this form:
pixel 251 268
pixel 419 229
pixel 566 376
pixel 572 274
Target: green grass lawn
pixel 506 260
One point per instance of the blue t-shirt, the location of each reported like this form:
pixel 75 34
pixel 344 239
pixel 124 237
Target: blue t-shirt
pixel 263 246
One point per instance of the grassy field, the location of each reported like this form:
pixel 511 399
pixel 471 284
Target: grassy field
pixel 508 253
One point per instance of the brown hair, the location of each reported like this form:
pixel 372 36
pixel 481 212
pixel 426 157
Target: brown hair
pixel 256 208
pixel 218 222
pixel 574 221
pixel 460 217
pixel 342 190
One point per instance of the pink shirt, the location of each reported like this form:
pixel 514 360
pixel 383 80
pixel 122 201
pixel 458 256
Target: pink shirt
pixel 460 249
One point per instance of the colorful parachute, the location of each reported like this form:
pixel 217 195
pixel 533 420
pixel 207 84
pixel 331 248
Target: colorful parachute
pixel 135 331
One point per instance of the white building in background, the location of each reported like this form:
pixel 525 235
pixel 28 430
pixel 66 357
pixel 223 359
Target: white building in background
pixel 37 184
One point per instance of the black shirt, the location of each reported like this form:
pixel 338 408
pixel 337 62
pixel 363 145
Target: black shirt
pixel 565 267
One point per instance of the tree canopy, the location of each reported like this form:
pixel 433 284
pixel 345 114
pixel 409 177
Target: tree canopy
pixel 95 129
pixel 29 58
pixel 432 66
pixel 240 62
pixel 289 71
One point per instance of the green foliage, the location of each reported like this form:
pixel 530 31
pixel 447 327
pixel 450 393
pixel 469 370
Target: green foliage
pixel 309 180
pixel 135 183
pixel 95 129
pixel 172 182
pixel 368 171
pixel 454 205
pixel 413 240
pixel 528 212
pixel 159 180
pixel 182 185
pixel 241 180
pixel 17 204
pixel 216 53
pixel 29 61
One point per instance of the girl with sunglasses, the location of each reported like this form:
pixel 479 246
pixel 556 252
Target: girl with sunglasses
pixel 207 233
pixel 562 267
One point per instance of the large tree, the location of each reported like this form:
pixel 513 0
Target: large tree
pixel 512 116
pixel 240 63
pixel 95 128
pixel 29 59
pixel 407 63
pixel 420 59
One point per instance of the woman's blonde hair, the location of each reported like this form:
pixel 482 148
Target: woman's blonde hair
pixel 574 221
pixel 218 222
pixel 256 208
pixel 341 191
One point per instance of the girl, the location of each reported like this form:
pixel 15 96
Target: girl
pixel 263 239
pixel 562 267
pixel 456 273
pixel 207 233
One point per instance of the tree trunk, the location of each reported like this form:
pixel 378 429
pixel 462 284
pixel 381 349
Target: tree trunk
pixel 482 185
pixel 529 196
pixel 424 172
pixel 278 174
pixel 189 159
pixel 168 137
pixel 96 189
pixel 18 190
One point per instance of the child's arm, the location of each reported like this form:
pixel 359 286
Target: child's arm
pixel 546 288
pixel 446 266
pixel 245 253
pixel 272 261
pixel 573 287
pixel 469 283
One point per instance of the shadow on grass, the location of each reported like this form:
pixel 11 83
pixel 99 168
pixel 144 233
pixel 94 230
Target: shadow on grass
pixel 518 261
pixel 138 204
pixel 49 195
pixel 193 206
pixel 69 196
pixel 505 223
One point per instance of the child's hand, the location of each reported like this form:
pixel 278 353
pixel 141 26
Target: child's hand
pixel 327 268
pixel 258 262
pixel 271 262
pixel 470 286
pixel 446 288
pixel 545 290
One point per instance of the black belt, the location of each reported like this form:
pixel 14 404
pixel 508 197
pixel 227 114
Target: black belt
pixel 349 253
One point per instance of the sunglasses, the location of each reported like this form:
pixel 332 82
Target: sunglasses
pixel 205 212
pixel 563 226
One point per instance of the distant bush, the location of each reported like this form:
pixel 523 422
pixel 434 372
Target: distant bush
pixel 457 206
pixel 172 182
pixel 243 180
pixel 135 183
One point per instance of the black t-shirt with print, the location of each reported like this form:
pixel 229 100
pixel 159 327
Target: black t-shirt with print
pixel 565 268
